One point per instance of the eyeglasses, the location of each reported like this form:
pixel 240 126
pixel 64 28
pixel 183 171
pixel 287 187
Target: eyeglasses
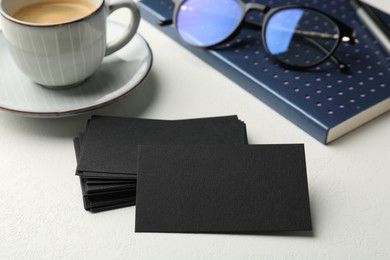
pixel 298 37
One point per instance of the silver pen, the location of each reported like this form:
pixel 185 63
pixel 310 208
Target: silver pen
pixel 373 23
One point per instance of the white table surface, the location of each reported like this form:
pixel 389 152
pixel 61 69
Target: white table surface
pixel 42 216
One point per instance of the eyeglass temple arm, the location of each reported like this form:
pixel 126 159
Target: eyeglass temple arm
pixel 347 38
pixel 253 25
pixel 343 67
pixel 306 35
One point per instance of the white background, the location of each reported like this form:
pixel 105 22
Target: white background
pixel 42 216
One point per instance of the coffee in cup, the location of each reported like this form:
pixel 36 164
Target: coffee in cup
pixel 54 11
pixel 60 43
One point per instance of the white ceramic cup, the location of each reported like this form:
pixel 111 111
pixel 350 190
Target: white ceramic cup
pixel 63 55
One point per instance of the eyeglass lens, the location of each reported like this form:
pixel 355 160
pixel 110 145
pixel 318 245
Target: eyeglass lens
pixel 207 22
pixel 300 37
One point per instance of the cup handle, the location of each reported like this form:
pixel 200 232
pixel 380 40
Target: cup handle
pixel 131 28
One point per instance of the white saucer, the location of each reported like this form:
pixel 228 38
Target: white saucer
pixel 117 76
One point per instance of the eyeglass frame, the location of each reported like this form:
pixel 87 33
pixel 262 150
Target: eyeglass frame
pixel 346 33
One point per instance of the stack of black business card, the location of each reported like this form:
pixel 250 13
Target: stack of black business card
pixel 107 152
pixel 193 175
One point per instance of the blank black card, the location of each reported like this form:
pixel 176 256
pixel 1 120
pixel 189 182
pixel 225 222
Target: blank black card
pixel 222 189
pixel 110 146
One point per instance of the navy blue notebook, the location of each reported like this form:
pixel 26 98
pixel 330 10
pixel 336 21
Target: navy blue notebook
pixel 325 102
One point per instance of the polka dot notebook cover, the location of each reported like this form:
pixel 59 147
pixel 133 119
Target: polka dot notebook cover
pixel 324 101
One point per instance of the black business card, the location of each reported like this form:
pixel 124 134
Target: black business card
pixel 110 143
pixel 222 189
